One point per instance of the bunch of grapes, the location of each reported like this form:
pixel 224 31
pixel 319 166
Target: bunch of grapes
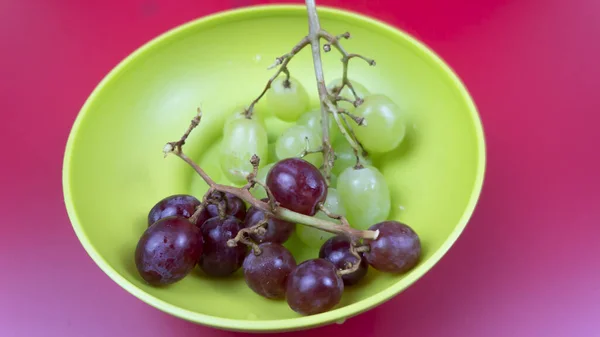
pixel 341 206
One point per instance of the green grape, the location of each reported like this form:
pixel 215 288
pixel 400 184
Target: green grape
pixel 272 153
pixel 293 141
pixel 332 180
pixel 238 113
pixel 242 138
pixel 258 191
pixel 365 195
pixel 385 127
pixel 312 120
pixel 313 237
pixel 344 156
pixel 287 103
pixel 360 90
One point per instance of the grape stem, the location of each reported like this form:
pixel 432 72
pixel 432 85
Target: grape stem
pixel 351 268
pixel 282 62
pixel 244 194
pixel 307 149
pixel 360 121
pixel 314 29
pixel 251 178
pixel 327 106
pixel 243 236
pixel 339 217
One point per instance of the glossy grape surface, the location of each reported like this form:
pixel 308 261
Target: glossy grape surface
pixel 365 195
pixel 297 185
pixel 314 237
pixel 218 259
pixel 385 127
pixel 242 139
pixel 267 273
pixel 277 230
pixel 168 250
pixel 293 142
pixel 175 205
pixel 337 251
pixel 314 287
pixel 397 249
pixel 288 100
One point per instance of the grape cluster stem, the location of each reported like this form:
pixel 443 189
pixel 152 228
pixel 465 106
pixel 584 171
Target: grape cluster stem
pixel 270 208
pixel 328 101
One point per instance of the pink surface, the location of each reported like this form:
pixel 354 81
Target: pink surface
pixel 526 265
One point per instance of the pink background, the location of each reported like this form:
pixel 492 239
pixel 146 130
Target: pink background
pixel 526 265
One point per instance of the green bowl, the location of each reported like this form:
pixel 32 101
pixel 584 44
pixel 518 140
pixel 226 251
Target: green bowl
pixel 114 169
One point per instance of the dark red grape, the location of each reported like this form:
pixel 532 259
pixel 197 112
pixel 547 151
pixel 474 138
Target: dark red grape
pixel 179 204
pixel 297 185
pixel 168 250
pixel 234 207
pixel 267 273
pixel 337 251
pixel 219 259
pixel 277 230
pixel 314 287
pixel 397 249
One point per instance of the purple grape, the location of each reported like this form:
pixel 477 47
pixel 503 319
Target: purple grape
pixel 314 287
pixel 179 204
pixel 219 259
pixel 397 249
pixel 337 251
pixel 234 207
pixel 297 185
pixel 277 230
pixel 168 250
pixel 267 274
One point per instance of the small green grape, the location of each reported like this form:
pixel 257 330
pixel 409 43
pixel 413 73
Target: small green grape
pixel 360 90
pixel 385 128
pixel 293 142
pixel 365 196
pixel 344 156
pixel 312 120
pixel 242 138
pixel 313 237
pixel 287 99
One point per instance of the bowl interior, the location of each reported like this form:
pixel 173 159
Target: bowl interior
pixel 115 171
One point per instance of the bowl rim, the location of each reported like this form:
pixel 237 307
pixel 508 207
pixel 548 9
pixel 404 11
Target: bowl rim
pixel 301 322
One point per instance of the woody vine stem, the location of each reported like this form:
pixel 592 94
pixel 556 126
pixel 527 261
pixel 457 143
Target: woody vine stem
pixel 328 104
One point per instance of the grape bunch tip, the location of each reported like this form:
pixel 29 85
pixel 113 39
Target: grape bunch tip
pixel 318 184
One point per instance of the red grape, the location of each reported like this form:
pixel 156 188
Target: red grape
pixel 218 258
pixel 277 230
pixel 179 204
pixel 234 207
pixel 267 273
pixel 337 251
pixel 297 185
pixel 397 249
pixel 314 287
pixel 168 250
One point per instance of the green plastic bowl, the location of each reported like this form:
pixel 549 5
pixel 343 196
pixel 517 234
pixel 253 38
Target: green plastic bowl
pixel 114 170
